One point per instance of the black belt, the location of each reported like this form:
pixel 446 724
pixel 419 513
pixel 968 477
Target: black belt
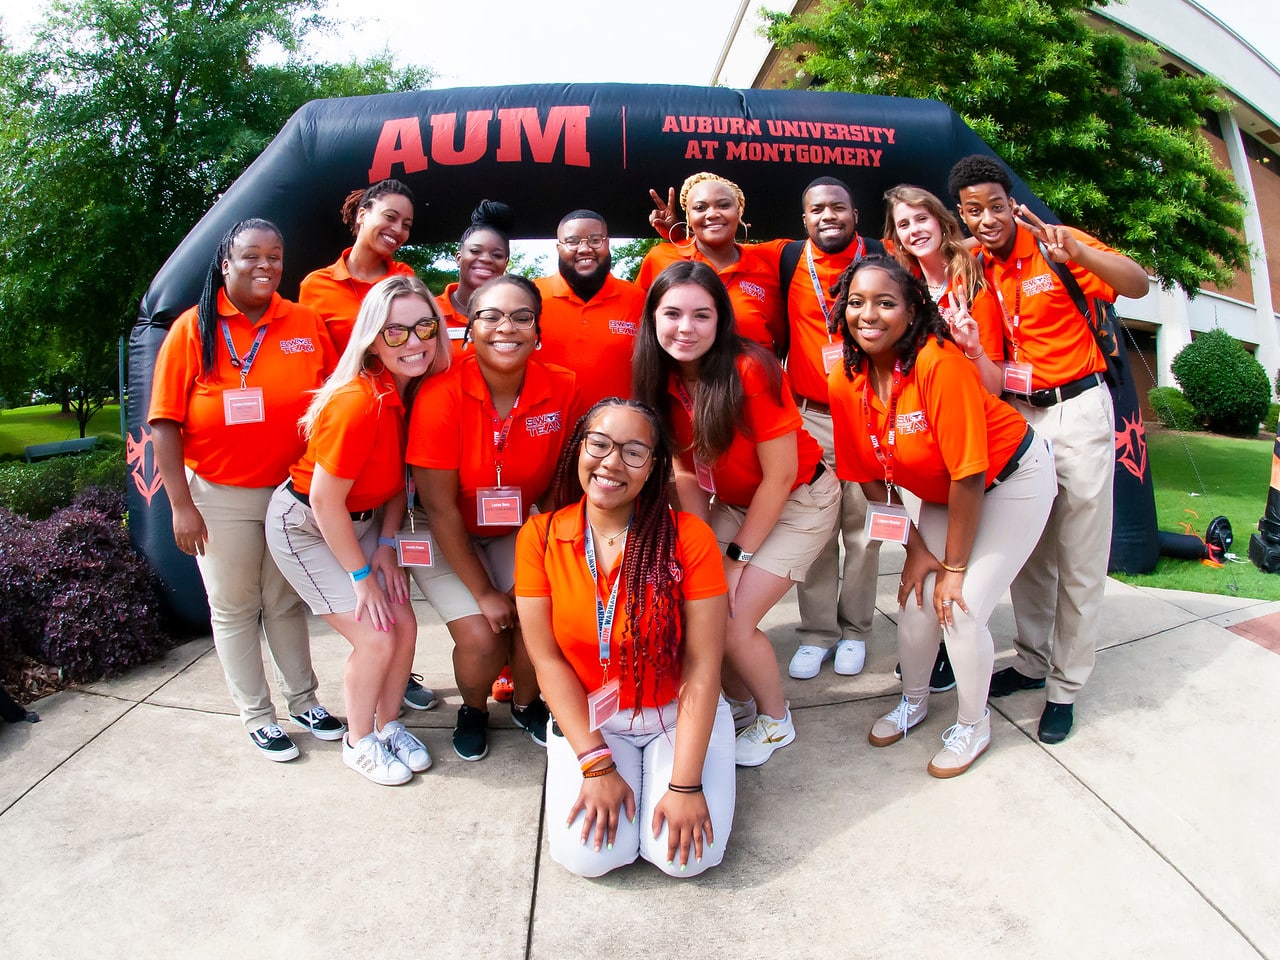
pixel 1015 461
pixel 805 405
pixel 1047 398
pixel 303 498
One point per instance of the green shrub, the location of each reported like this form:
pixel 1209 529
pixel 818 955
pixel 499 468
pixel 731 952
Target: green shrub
pixel 1273 415
pixel 1173 410
pixel 1223 382
pixel 36 490
pixel 102 468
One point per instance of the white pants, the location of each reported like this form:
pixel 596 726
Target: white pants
pixel 643 747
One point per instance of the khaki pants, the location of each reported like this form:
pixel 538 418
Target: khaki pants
pixel 249 598
pixel 838 600
pixel 1057 598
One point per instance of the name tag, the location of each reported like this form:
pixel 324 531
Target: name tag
pixel 243 406
pixel 832 354
pixel 499 507
pixel 1017 377
pixel 602 704
pixel 887 522
pixel 706 479
pixel 414 549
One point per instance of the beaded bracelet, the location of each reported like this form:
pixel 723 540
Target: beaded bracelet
pixel 599 771
pixel 592 757
pixel 684 788
pixel 950 569
pixel 387 542
pixel 358 575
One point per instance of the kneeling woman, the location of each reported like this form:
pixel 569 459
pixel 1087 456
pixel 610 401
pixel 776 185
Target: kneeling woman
pixel 746 464
pixel 331 526
pixel 909 410
pixel 623 606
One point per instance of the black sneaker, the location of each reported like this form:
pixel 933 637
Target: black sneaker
pixel 943 677
pixel 1055 722
pixel 416 696
pixel 274 743
pixel 1009 680
pixel 322 724
pixel 471 735
pixel 533 718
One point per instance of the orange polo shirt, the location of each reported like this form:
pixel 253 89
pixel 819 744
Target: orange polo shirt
pixel 455 323
pixel 359 436
pixel 1051 334
pixel 595 338
pixel 948 426
pixel 737 472
pixel 452 428
pixel 807 319
pixel 295 357
pixel 754 287
pixel 336 295
pixel 551 562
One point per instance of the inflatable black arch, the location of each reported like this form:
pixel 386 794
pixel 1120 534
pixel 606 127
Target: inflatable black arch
pixel 548 149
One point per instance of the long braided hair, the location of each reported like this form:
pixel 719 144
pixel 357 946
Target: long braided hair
pixel 651 568
pixel 925 322
pixel 207 305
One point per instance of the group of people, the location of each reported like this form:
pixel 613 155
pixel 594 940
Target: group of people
pixel 602 488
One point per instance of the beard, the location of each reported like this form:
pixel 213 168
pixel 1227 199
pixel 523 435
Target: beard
pixel 836 244
pixel 588 286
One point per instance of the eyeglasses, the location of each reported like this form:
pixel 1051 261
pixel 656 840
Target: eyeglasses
pixel 397 334
pixel 600 445
pixel 595 241
pixel 522 318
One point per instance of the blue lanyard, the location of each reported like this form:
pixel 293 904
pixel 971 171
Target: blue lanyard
pixel 247 363
pixel 604 615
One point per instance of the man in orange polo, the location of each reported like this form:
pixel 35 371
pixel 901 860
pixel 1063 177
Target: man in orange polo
pixel 836 605
pixel 589 317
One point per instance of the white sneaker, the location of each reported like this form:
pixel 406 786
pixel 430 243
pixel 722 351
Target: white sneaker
pixel 961 745
pixel 851 657
pixel 756 744
pixel 371 758
pixel 893 726
pixel 807 661
pixel 408 749
pixel 744 713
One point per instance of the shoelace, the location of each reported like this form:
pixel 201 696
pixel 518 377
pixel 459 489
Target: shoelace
pixel 402 739
pixel 759 731
pixel 902 714
pixel 272 730
pixel 317 713
pixel 957 737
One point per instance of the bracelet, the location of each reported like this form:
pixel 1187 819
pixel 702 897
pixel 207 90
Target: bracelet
pixel 387 542
pixel 592 757
pixel 358 575
pixel 684 788
pixel 950 569
pixel 599 772
pixel 976 356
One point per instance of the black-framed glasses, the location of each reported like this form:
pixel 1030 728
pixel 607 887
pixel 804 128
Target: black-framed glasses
pixel 595 241
pixel 600 445
pixel 397 334
pixel 523 318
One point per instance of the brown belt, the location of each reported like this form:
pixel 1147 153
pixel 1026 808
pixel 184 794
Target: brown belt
pixel 805 405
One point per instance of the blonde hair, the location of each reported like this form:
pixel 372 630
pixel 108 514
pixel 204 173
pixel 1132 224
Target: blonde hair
pixel 373 314
pixel 704 177
pixel 961 264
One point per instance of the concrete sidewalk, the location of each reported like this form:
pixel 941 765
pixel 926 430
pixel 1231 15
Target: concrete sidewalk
pixel 137 821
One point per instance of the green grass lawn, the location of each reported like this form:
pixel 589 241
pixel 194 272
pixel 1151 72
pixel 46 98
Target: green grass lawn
pixel 24 426
pixel 1235 475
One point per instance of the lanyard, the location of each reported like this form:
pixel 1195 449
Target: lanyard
pixel 683 394
pixel 1016 320
pixel 819 294
pixel 501 429
pixel 604 615
pixel 885 458
pixel 245 365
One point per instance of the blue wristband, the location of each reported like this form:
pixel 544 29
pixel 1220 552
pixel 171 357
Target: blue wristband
pixel 358 575
pixel 387 542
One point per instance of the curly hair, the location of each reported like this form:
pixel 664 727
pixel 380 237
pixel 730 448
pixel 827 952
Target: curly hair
pixel 704 177
pixel 975 169
pixel 651 568
pixel 358 200
pixel 925 320
pixel 961 264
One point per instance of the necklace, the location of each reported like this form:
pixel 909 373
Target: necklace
pixel 936 288
pixel 608 539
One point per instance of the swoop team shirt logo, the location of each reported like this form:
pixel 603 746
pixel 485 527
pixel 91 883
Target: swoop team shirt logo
pixel 913 422
pixel 543 424
pixel 752 289
pixel 1033 285
pixel 298 345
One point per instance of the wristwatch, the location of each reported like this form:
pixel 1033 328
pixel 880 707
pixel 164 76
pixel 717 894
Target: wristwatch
pixel 735 552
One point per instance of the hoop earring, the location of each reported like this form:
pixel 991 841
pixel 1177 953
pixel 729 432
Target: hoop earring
pixel 367 367
pixel 689 240
pixel 745 231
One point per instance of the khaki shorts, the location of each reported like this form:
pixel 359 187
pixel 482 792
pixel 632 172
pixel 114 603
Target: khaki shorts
pixel 299 550
pixel 440 586
pixel 803 528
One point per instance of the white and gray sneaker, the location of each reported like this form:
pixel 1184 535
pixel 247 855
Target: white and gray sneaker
pixel 274 743
pixel 756 744
pixel 372 758
pixel 408 749
pixel 851 656
pixel 807 661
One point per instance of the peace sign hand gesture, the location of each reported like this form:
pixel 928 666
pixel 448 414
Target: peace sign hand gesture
pixel 1057 239
pixel 663 217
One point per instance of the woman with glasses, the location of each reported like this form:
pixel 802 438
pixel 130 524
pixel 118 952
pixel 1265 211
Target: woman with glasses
pixel 484 252
pixel 331 526
pixel 232 378
pixel 623 606
pixel 483 443
pixel 745 463
pixel 379 218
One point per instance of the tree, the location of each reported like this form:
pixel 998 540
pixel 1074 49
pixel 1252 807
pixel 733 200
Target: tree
pixel 1104 136
pixel 122 124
